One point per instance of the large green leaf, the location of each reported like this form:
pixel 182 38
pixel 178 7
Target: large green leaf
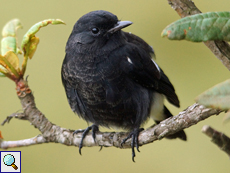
pixel 200 27
pixel 216 97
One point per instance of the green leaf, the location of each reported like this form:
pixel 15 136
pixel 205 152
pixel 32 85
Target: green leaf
pixel 9 33
pixel 33 46
pixel 30 42
pixel 8 44
pixel 200 27
pixel 216 97
pixel 13 59
pixel 33 30
pixel 10 62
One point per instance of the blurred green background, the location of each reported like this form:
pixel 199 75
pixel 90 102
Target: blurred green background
pixel 191 67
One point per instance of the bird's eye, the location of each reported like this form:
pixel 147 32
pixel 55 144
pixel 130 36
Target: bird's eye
pixel 95 30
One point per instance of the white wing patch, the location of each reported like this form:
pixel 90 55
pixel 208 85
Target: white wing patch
pixel 129 60
pixel 158 68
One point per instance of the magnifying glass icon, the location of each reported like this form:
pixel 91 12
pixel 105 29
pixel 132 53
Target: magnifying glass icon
pixel 9 160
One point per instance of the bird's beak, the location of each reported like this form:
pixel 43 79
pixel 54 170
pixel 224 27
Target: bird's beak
pixel 119 26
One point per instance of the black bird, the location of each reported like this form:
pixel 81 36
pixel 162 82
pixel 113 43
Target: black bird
pixel 111 80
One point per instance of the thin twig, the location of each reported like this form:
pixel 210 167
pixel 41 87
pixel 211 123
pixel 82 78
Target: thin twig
pixel 218 138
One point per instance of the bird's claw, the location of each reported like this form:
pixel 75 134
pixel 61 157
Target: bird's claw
pixel 84 132
pixel 134 143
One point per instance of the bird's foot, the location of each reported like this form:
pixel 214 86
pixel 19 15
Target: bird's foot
pixel 134 143
pixel 84 132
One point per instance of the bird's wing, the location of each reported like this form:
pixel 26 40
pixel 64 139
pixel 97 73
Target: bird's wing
pixel 74 99
pixel 131 38
pixel 139 65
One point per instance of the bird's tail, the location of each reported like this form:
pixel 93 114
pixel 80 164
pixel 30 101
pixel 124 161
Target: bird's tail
pixel 181 134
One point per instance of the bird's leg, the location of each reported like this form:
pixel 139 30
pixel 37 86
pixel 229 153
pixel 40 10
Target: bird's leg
pixel 134 143
pixel 84 132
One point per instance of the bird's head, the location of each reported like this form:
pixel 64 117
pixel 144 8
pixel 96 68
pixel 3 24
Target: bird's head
pixel 96 30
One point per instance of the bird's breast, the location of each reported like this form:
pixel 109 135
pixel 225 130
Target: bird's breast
pixel 111 96
pixel 96 78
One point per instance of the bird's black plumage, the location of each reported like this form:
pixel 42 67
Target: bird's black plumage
pixel 110 78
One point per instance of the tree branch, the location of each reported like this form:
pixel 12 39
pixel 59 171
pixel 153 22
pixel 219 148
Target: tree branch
pixel 220 49
pixel 218 138
pixel 22 143
pixel 56 134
